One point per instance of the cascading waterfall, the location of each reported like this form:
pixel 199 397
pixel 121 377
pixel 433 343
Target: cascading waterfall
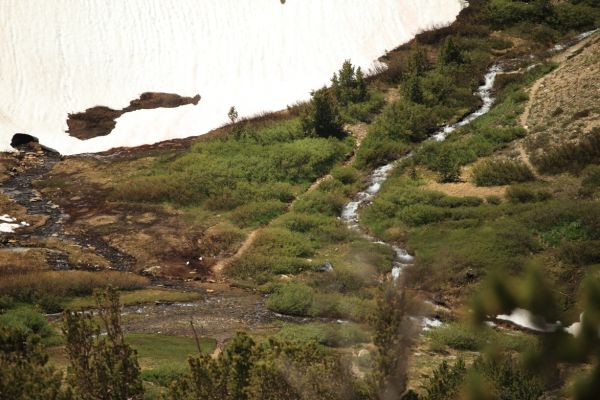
pixel 350 214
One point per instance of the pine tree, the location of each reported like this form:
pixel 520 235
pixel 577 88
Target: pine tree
pixel 24 374
pixel 321 116
pixel 448 168
pixel 103 367
pixel 361 86
pixel 418 63
pixel 413 90
pixel 393 338
pixel 348 84
pixel 450 53
pixel 232 114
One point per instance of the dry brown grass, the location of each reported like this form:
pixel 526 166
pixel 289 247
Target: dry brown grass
pixel 28 286
pixel 22 261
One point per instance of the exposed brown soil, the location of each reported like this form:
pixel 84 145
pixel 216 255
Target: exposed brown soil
pixel 564 106
pixel 100 120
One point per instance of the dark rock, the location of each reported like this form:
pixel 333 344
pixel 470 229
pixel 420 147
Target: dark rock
pixel 100 120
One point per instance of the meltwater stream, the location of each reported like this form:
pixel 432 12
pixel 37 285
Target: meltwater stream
pixel 350 214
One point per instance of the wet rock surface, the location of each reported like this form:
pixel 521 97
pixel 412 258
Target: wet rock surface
pixel 29 165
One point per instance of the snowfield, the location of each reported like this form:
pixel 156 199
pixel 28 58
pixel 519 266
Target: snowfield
pixel 64 56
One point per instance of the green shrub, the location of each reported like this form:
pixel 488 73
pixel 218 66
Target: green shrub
pixel 364 111
pixel 580 253
pixel 321 116
pixel 332 335
pixel 27 321
pixel 260 267
pixel 495 200
pixel 164 375
pixel 590 184
pixel 291 299
pixel 501 172
pixel 445 382
pixel 346 175
pixel 521 194
pixel 256 213
pixel 462 336
pixel 457 336
pixel 573 230
pixel 570 157
pixel 261 164
pixel 319 202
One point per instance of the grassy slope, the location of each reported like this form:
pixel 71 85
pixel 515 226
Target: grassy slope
pixel 244 180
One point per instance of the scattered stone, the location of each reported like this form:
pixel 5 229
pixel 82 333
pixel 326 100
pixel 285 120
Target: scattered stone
pixel 152 271
pixel 326 267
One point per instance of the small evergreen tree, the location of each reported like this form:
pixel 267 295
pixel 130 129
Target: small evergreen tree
pixel 349 84
pixel 447 167
pixel 232 114
pixel 450 53
pixel 393 338
pixel 413 90
pixel 321 117
pixel 418 63
pixel 103 367
pixel 24 374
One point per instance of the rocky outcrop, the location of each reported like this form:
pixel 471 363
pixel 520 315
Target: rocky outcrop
pixel 100 120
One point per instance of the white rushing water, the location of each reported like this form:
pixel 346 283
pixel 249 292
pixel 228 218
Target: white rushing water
pixel 350 214
pixel 65 56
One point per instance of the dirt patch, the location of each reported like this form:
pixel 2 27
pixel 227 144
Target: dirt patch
pixel 464 189
pixel 564 106
pixel 222 311
pixel 100 220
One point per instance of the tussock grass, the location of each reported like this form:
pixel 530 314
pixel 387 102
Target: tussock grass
pixel 49 288
pixel 501 172
pixel 570 157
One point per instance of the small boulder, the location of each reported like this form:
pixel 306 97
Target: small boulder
pixel 326 267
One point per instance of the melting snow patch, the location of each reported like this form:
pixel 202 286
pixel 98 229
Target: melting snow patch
pixel 429 323
pixel 528 320
pixel 8 224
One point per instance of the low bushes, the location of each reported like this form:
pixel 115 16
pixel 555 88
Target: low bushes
pixel 291 299
pixel 256 213
pixel 27 321
pixel 570 157
pixel 590 184
pixel 256 165
pixel 332 335
pixel 346 175
pixel 319 202
pixel 524 194
pixel 302 300
pixel 219 239
pixel 501 172
pixel 501 377
pixel 461 336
